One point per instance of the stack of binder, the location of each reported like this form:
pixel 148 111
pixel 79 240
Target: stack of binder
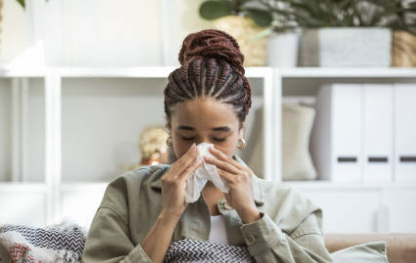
pixel 365 133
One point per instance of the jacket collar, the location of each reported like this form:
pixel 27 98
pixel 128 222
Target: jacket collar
pixel 258 195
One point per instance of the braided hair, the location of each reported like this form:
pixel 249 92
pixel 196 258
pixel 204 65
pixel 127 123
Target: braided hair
pixel 211 66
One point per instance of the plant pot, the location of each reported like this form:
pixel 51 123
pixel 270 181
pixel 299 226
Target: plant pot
pixel 404 49
pixel 244 31
pixel 283 50
pixel 346 47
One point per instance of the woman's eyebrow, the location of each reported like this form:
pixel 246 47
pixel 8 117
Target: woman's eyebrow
pixel 188 128
pixel 223 128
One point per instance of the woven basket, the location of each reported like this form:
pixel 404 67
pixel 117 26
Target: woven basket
pixel 404 49
pixel 244 30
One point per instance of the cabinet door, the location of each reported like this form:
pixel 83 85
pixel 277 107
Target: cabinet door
pixel 401 210
pixel 346 211
pixel 405 130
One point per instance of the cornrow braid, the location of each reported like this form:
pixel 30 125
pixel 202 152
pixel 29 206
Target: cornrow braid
pixel 211 66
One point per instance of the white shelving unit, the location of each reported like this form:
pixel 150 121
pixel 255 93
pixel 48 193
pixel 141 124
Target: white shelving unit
pixel 354 207
pixel 63 193
pixel 23 95
pixel 67 183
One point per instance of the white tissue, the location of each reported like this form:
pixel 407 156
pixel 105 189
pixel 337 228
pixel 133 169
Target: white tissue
pixel 206 172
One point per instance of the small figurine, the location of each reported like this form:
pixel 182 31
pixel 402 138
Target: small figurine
pixel 153 146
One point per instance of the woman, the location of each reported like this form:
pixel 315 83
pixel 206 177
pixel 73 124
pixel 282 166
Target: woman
pixel 207 100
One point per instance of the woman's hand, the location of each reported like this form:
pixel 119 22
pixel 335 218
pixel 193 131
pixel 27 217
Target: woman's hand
pixel 174 183
pixel 240 182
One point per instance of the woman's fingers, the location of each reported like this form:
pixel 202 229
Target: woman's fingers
pixel 222 165
pixel 190 170
pixel 187 160
pixel 222 156
pixel 224 161
pixel 219 154
pixel 189 157
pixel 230 178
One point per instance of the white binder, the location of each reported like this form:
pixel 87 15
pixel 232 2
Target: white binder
pixel 378 133
pixel 336 137
pixel 405 132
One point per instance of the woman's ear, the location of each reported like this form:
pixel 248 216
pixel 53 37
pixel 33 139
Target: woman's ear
pixel 168 127
pixel 241 131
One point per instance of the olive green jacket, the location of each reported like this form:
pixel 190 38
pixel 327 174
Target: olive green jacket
pixel 289 231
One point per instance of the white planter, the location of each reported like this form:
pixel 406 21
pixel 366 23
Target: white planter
pixel 346 47
pixel 283 50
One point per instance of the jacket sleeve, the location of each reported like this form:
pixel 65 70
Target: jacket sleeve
pixel 267 243
pixel 108 241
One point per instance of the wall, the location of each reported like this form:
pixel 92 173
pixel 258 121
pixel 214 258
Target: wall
pixel 14 30
pixel 100 32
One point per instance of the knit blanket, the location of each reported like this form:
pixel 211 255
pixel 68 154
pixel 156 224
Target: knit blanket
pixel 60 244
pixel 195 251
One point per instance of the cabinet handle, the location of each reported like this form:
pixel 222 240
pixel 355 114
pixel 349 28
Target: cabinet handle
pixel 347 159
pixel 408 159
pixel 378 159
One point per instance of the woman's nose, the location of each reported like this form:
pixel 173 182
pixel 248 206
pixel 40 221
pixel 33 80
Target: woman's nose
pixel 202 140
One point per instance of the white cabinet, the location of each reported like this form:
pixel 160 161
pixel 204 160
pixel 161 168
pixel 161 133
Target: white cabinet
pixel 366 208
pixel 347 211
pixel 401 210
pixel 82 126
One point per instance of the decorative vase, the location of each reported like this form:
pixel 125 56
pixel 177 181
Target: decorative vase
pixel 283 50
pixel 404 49
pixel 244 31
pixel 297 122
pixel 346 47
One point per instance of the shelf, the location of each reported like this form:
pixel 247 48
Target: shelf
pixel 347 72
pixel 93 187
pixel 22 73
pixel 251 72
pixel 308 185
pixel 10 187
pixel 62 192
pixel 327 185
pixel 139 72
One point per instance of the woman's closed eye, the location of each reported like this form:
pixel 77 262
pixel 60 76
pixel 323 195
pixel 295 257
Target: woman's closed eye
pixel 188 138
pixel 193 138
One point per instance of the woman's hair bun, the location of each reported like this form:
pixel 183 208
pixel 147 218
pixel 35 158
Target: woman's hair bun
pixel 213 44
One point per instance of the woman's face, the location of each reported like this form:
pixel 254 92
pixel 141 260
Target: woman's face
pixel 205 120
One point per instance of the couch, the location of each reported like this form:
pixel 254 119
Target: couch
pixel 401 248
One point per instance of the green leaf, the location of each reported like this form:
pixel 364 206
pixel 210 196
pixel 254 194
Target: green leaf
pixel 260 18
pixel 262 34
pixel 22 3
pixel 242 2
pixel 211 10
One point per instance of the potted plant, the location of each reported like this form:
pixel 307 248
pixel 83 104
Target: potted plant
pixel 404 34
pixel 243 19
pixel 283 35
pixel 343 32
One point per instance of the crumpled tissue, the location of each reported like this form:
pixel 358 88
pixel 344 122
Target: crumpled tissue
pixel 206 172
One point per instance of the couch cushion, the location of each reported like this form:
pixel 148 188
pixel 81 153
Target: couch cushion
pixel 401 248
pixel 374 252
